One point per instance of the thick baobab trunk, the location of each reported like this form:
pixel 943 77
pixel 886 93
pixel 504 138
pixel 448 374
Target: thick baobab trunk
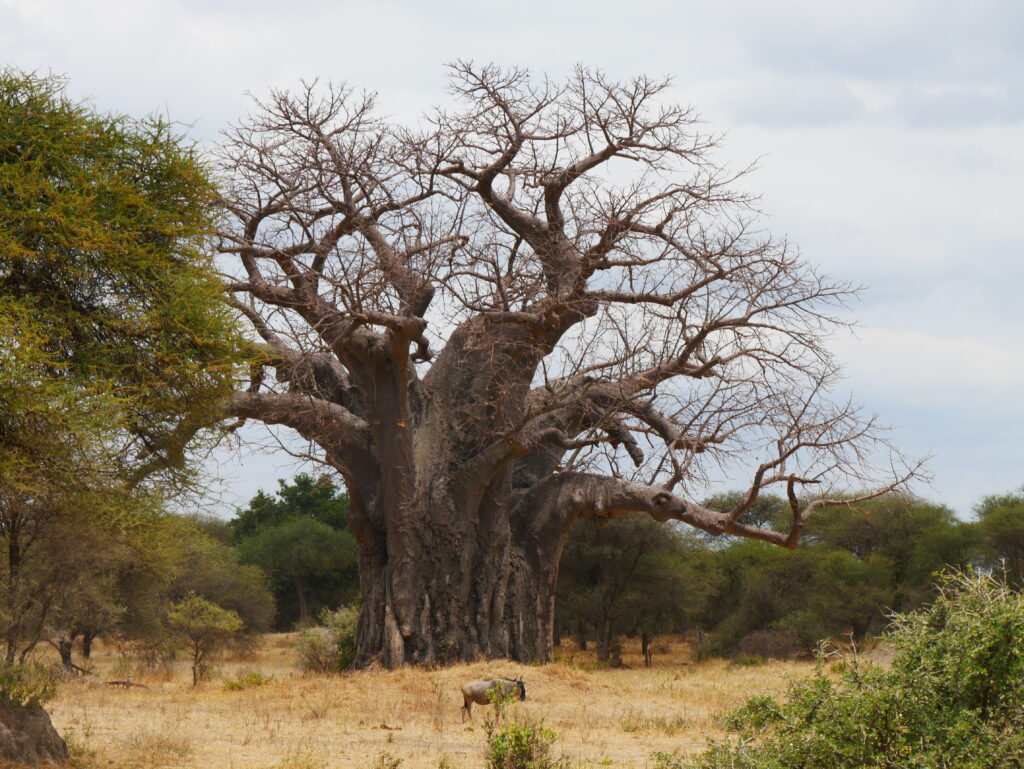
pixel 475 595
pixel 476 577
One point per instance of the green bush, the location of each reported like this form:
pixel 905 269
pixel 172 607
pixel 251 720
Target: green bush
pixel 330 647
pixel 248 680
pixel 953 697
pixel 521 746
pixel 30 686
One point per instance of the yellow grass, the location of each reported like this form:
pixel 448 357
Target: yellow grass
pixel 602 717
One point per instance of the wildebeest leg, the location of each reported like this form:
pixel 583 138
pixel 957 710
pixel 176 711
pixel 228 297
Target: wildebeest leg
pixel 467 709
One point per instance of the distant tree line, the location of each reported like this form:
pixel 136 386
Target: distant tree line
pixel 854 566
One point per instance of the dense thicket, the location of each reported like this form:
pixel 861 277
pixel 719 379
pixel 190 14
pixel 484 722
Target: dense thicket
pixel 953 697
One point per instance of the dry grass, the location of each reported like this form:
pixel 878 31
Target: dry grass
pixel 603 717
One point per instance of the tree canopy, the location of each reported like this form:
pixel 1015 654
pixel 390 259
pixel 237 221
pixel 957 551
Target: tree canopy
pixel 106 281
pixel 548 301
pixel 300 538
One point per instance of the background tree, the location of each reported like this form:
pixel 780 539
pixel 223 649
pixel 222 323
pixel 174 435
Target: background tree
pixel 180 560
pixel 300 538
pixel 551 303
pixel 1001 521
pixel 300 552
pixel 917 537
pixel 305 496
pixel 855 565
pixel 632 576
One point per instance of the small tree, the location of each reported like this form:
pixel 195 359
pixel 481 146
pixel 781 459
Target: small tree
pixel 206 627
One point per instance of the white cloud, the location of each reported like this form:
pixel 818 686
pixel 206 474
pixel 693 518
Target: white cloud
pixel 918 368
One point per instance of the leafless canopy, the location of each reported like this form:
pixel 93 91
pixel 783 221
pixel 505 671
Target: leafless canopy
pixel 546 302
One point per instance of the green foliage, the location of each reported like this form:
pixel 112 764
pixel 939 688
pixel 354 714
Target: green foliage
pixel 171 559
pixel 521 746
pixel 953 697
pixel 306 496
pixel 205 626
pixel 249 680
pixel 115 349
pixel 631 576
pixel 916 538
pixel 854 564
pixel 28 685
pixel 298 553
pixel 215 571
pixel 331 646
pixel 301 540
pixel 1001 520
pixel 103 221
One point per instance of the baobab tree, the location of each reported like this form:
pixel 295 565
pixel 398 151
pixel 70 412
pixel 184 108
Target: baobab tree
pixel 543 303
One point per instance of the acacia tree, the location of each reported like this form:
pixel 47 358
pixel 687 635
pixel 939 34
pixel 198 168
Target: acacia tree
pixel 547 303
pixel 114 344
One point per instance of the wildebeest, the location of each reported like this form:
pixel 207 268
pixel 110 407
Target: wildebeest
pixel 478 691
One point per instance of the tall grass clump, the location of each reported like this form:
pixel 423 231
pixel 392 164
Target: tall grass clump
pixel 953 697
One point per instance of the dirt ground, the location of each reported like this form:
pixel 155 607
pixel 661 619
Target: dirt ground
pixel 602 717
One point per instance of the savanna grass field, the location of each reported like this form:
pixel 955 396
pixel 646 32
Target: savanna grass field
pixel 603 717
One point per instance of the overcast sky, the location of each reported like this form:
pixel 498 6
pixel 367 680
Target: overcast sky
pixel 888 137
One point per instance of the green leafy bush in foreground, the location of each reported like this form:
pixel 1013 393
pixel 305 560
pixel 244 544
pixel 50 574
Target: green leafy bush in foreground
pixel 521 746
pixel 953 697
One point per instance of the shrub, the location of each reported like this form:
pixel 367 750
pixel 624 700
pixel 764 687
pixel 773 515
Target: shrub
pixel 954 696
pixel 330 647
pixel 29 685
pixel 248 680
pixel 521 746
